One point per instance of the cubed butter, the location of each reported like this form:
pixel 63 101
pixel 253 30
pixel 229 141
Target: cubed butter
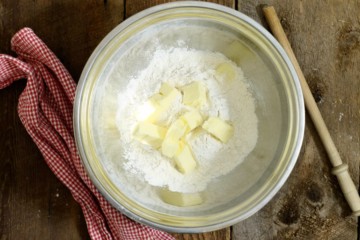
pixel 177 129
pixel 170 147
pixel 147 110
pixel 150 134
pixel 218 128
pixel 156 98
pixel 166 89
pixel 194 94
pixel 166 96
pixel 159 103
pixel 156 115
pixel 185 161
pixel 239 53
pixel 226 71
pixel 234 51
pixel 193 119
pixel 180 199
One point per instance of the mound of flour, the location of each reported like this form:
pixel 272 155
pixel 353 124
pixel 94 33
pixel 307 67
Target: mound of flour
pixel 230 101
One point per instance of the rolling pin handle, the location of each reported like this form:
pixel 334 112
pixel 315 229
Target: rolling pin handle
pixel 340 169
pixel 348 187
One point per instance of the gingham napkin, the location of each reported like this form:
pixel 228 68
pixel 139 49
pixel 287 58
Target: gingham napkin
pixel 45 108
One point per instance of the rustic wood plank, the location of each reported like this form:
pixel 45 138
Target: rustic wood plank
pixel 33 203
pixel 135 6
pixel 223 234
pixel 72 29
pixel 326 40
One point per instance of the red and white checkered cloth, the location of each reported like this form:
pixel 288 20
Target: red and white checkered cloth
pixel 45 108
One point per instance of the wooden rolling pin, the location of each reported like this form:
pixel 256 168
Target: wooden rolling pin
pixel 340 169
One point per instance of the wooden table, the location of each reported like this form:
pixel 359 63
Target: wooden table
pixel 326 39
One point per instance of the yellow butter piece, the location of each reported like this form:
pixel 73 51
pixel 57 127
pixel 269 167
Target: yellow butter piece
pixel 156 98
pixel 146 110
pixel 167 94
pixel 239 53
pixel 226 71
pixel 218 128
pixel 177 129
pixel 162 101
pixel 156 116
pixel 234 51
pixel 180 199
pixel 170 147
pixel 194 94
pixel 150 133
pixel 193 119
pixel 185 161
pixel 166 89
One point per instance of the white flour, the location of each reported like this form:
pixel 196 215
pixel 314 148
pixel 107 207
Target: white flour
pixel 230 101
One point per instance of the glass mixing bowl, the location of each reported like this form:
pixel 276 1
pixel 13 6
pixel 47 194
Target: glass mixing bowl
pixel 204 26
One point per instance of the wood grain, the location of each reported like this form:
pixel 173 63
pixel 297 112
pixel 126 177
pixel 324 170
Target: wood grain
pixel 340 169
pixel 223 234
pixel 135 6
pixel 325 38
pixel 71 29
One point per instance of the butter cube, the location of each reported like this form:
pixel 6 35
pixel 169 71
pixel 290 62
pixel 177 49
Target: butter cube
pixel 180 199
pixel 148 109
pixel 166 89
pixel 156 98
pixel 157 115
pixel 170 147
pixel 237 52
pixel 226 71
pixel 177 129
pixel 159 103
pixel 218 128
pixel 194 94
pixel 150 134
pixel 234 51
pixel 185 161
pixel 166 96
pixel 193 119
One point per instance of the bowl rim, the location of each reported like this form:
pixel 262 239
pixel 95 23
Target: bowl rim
pixel 123 25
